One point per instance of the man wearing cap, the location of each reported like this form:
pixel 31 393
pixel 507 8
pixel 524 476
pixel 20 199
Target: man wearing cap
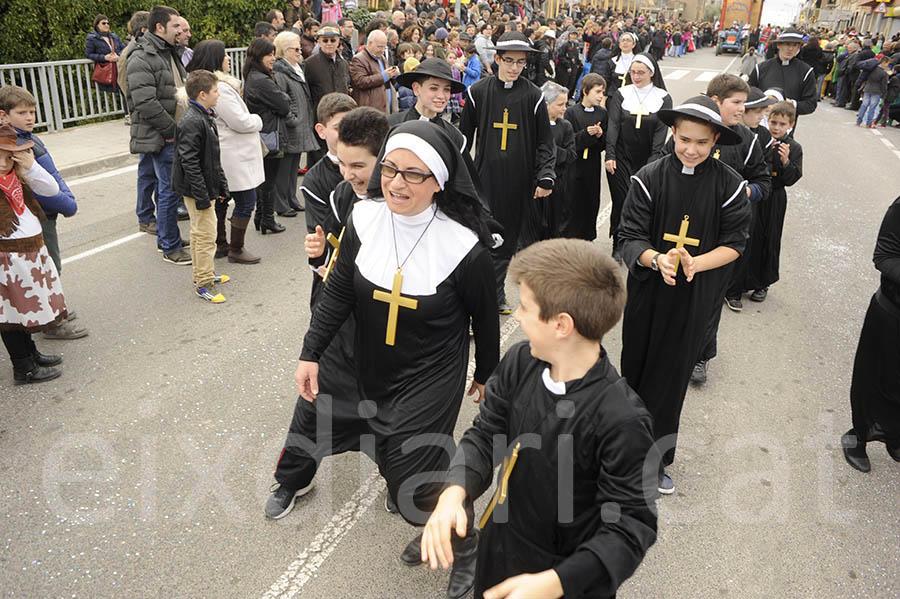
pixel 326 72
pixel 371 76
pixel 785 71
pixel 515 155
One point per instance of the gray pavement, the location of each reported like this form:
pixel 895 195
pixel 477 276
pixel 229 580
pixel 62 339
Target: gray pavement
pixel 142 471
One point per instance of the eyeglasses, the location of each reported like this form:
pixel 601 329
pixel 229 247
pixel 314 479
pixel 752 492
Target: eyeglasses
pixel 104 22
pixel 328 40
pixel 295 49
pixel 514 63
pixel 414 177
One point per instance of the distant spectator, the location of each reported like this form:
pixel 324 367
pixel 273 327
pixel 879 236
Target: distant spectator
pixel 295 12
pixel 413 34
pixel 182 41
pixel 104 47
pixel 264 29
pixel 276 18
pixel 371 76
pixel 326 72
pixel 331 11
pixel 346 27
pixel 308 39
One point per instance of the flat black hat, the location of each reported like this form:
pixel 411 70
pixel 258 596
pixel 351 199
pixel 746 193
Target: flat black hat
pixel 432 67
pixel 790 35
pixel 757 99
pixel 513 41
pixel 702 108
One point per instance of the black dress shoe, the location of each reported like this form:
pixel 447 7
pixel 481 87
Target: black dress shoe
pixel 462 575
pixel 412 553
pixel 855 452
pixel 294 204
pixel 289 213
pixel 894 452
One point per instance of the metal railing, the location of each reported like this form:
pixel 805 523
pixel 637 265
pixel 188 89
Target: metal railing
pixel 65 93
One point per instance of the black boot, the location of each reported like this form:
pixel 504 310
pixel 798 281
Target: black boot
pixel 221 238
pixel 42 360
pixel 27 371
pixel 267 222
pixel 412 553
pixel 462 575
pixel 855 451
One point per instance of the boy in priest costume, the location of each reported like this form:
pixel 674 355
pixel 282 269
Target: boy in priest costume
pixel 575 509
pixel 685 217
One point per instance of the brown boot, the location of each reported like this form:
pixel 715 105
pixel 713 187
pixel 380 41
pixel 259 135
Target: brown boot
pixel 236 251
pixel 221 240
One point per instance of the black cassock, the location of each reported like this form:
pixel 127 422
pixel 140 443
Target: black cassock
pixel 664 326
pixel 796 79
pixel 583 447
pixel 764 256
pixel 585 175
pixel 333 423
pixel 508 177
pixel 875 389
pixel 547 214
pixel 417 384
pixel 630 146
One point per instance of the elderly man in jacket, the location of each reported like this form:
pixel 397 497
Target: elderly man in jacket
pixel 154 73
pixel 371 77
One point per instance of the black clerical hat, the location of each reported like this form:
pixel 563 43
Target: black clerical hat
pixel 790 35
pixel 757 99
pixel 702 108
pixel 513 41
pixel 432 67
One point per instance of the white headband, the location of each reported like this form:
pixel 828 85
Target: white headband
pixel 700 108
pixel 510 43
pixel 423 150
pixel 644 60
pixel 774 92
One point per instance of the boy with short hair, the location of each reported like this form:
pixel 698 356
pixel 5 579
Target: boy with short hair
pixel 198 176
pixel 687 199
pixel 589 119
pixel 571 418
pixel 785 158
pixel 17 108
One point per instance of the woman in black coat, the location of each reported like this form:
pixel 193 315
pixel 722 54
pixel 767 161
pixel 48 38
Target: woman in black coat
pixel 103 46
pixel 263 97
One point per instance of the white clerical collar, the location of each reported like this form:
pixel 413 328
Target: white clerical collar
pixel 553 123
pixel 785 63
pixel 424 118
pixel 588 108
pixel 687 170
pixel 506 84
pixel 417 219
pixel 359 196
pixel 557 388
pixel 332 158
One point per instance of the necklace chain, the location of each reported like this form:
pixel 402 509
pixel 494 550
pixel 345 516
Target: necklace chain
pixel 421 235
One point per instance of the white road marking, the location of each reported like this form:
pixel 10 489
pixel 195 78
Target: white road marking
pixel 887 142
pixel 676 75
pixel 728 68
pixel 106 175
pixel 876 132
pixel 304 567
pixel 706 76
pixel 103 247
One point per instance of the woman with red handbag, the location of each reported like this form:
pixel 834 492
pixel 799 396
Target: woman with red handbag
pixel 104 47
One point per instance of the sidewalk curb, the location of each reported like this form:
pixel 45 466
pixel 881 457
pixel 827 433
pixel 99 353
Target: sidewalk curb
pixel 90 167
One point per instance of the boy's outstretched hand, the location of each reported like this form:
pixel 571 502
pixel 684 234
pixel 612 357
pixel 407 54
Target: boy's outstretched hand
pixel 666 264
pixel 543 585
pixel 314 244
pixel 449 514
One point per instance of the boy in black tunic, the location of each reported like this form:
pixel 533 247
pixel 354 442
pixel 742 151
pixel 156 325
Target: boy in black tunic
pixel 684 200
pixel 589 119
pixel 582 435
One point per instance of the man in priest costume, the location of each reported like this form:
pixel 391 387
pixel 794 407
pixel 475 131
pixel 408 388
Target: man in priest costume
pixel 795 78
pixel 515 157
pixel 414 269
pixel 685 217
pixel 875 387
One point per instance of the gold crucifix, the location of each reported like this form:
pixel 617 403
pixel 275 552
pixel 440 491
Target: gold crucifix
pixel 639 112
pixel 505 126
pixel 502 490
pixel 585 154
pixel 336 244
pixel 395 301
pixel 681 239
pixel 716 154
pixel 622 78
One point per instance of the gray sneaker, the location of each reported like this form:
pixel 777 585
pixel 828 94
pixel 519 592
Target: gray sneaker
pixel 281 502
pixel 178 257
pixel 66 330
pixel 666 486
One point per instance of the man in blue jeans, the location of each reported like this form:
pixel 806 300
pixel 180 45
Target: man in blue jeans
pixel 146 195
pixel 154 72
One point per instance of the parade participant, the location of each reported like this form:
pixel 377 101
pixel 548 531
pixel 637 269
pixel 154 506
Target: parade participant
pixel 547 546
pixel 795 78
pixel 685 200
pixel 620 63
pixel 589 121
pixel 875 387
pixel 785 158
pixel 414 268
pixel 432 83
pixel 515 155
pixel 634 135
pixel 31 296
pixel 360 136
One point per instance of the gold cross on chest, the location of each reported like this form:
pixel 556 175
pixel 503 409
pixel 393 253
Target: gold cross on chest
pixel 336 244
pixel 395 301
pixel 716 154
pixel 622 78
pixel 505 126
pixel 502 487
pixel 681 239
pixel 639 112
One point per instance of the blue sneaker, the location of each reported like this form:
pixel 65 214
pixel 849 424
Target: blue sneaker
pixel 210 294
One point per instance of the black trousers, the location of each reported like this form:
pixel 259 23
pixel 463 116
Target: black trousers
pixel 18 344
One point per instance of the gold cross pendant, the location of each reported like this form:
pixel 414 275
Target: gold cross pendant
pixel 502 490
pixel 716 154
pixel 622 78
pixel 395 301
pixel 505 126
pixel 639 112
pixel 681 239
pixel 336 244
pixel 585 154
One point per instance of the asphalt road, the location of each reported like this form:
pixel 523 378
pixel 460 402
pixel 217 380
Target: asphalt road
pixel 142 471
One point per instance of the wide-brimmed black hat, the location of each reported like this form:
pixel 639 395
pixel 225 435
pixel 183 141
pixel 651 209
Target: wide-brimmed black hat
pixel 512 41
pixel 757 99
pixel 790 35
pixel 432 67
pixel 702 108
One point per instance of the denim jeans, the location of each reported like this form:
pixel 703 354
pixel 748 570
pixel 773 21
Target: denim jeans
pixel 870 105
pixel 820 80
pixel 146 187
pixel 244 203
pixel 167 234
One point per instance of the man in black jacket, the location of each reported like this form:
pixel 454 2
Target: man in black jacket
pixel 787 72
pixel 154 73
pixel 326 72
